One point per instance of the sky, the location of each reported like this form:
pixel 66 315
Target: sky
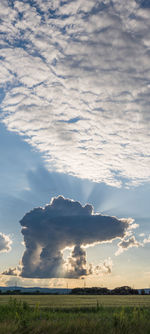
pixel 74 143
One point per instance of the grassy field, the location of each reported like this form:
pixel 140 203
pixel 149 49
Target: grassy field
pixel 75 315
pixel 79 301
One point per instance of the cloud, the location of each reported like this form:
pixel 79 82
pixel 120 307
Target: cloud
pixel 103 268
pixel 75 77
pixel 141 234
pixel 146 240
pixel 12 271
pixel 65 223
pixel 125 244
pixel 5 243
pixel 76 264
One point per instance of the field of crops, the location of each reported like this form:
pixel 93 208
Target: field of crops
pixel 75 315
pixel 79 301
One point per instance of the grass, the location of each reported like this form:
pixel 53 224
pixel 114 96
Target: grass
pixel 79 301
pixel 18 317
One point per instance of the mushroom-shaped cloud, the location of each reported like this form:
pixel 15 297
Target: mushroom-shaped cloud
pixel 65 223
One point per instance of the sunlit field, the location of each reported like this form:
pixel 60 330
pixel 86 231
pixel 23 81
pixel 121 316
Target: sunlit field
pixel 79 301
pixel 74 314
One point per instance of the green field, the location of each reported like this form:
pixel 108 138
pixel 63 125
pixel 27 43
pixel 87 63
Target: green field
pixel 74 314
pixel 80 301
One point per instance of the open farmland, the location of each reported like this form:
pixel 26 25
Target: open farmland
pixel 79 301
pixel 71 318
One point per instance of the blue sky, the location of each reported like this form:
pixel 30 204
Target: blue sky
pixel 74 91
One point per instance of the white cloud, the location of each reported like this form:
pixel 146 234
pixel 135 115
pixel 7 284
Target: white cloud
pixel 76 85
pixel 5 243
pixel 12 271
pixel 141 234
pixel 146 240
pixel 125 244
pixel 103 268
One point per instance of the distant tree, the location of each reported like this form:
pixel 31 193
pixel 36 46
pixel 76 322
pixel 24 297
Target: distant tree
pixel 90 291
pixel 37 292
pixel 124 290
pixel 8 292
pixel 16 292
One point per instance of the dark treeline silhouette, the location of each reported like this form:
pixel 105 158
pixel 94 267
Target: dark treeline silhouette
pixel 123 290
pixel 19 292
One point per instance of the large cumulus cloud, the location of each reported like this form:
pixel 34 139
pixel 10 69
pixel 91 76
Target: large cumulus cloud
pixel 65 223
pixel 75 79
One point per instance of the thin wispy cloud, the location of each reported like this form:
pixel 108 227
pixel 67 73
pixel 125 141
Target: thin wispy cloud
pixel 75 77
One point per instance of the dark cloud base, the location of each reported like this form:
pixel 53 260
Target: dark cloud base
pixel 64 223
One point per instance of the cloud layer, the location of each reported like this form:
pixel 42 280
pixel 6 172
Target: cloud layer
pixel 66 223
pixel 5 243
pixel 75 80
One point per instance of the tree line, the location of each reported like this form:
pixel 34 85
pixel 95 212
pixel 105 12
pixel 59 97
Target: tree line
pixel 123 290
